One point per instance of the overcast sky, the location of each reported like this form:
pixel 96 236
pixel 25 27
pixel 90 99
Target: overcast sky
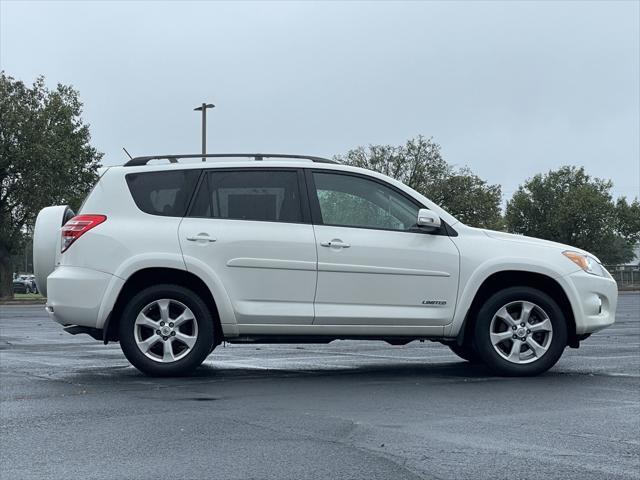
pixel 509 89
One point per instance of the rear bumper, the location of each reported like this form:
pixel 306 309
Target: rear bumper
pixel 75 295
pixel 594 300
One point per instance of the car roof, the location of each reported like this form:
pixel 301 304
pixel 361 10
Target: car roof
pixel 173 158
pixel 159 164
pixel 163 163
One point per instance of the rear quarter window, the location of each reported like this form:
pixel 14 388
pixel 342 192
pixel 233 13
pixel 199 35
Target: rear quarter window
pixel 165 193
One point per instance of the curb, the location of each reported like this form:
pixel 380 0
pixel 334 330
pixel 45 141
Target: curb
pixel 23 302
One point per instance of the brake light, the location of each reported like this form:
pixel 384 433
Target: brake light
pixel 78 226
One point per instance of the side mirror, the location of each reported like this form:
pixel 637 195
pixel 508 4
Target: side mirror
pixel 428 219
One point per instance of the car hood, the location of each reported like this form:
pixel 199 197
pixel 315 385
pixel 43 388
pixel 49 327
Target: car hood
pixel 511 237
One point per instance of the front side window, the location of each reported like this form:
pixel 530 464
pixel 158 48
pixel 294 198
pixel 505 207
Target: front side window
pixel 266 195
pixel 351 201
pixel 165 193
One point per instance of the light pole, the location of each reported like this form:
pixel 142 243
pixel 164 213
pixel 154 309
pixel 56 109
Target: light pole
pixel 203 108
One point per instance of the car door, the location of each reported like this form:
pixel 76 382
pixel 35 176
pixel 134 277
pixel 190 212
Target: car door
pixel 252 228
pixel 375 267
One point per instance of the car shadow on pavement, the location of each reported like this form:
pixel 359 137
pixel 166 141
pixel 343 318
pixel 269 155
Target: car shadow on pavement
pixel 370 372
pixel 448 369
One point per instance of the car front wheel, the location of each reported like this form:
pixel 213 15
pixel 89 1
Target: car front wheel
pixel 166 330
pixel 520 331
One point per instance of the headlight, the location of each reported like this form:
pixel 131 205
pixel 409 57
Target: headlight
pixel 586 263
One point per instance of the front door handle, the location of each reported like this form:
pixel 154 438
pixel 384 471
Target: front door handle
pixel 201 237
pixel 335 243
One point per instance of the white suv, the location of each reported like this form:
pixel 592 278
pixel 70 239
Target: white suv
pixel 171 258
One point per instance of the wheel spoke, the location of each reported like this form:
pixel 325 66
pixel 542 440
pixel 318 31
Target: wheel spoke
pixel 167 351
pixel 497 338
pixel 514 354
pixel 537 336
pixel 163 305
pixel 145 345
pixel 506 316
pixel 145 321
pixel 166 330
pixel 537 349
pixel 527 307
pixel 188 340
pixel 543 326
pixel 185 316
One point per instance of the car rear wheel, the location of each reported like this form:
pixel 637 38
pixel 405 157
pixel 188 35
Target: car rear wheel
pixel 166 330
pixel 520 331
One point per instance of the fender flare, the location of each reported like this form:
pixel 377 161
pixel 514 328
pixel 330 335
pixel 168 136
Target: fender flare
pixel 175 262
pixel 211 279
pixel 490 267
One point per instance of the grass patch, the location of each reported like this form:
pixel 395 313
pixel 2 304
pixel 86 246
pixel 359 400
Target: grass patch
pixel 27 296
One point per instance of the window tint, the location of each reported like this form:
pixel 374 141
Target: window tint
pixel 352 201
pixel 163 193
pixel 249 195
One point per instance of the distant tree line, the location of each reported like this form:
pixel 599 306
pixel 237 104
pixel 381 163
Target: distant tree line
pixel 420 165
pixel 46 158
pixel 564 205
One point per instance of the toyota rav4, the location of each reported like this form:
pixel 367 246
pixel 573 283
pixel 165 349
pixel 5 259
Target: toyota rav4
pixel 171 257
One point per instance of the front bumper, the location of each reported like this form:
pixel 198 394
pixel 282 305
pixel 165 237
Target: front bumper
pixel 593 299
pixel 75 295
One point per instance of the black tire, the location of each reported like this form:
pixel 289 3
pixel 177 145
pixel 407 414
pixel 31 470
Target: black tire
pixel 490 356
pixel 465 352
pixel 193 358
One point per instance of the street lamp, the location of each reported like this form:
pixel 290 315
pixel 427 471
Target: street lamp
pixel 203 108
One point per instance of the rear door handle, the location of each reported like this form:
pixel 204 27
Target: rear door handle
pixel 335 244
pixel 201 237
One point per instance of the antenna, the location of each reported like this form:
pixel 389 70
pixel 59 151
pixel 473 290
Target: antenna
pixel 128 154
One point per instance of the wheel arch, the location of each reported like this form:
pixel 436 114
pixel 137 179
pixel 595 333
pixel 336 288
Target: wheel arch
pixel 498 280
pixel 153 276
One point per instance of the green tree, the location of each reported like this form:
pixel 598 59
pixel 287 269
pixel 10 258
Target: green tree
pixel 419 164
pixel 571 207
pixel 45 159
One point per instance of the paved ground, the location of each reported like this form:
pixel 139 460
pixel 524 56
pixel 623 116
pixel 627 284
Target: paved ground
pixel 72 408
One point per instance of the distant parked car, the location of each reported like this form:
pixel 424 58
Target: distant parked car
pixel 27 281
pixel 34 286
pixel 19 286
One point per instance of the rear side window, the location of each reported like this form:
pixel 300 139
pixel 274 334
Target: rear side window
pixel 165 193
pixel 267 195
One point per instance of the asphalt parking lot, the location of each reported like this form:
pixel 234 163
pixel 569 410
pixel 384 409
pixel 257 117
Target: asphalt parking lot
pixel 73 408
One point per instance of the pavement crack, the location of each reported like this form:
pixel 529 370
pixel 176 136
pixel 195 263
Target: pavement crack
pixel 385 456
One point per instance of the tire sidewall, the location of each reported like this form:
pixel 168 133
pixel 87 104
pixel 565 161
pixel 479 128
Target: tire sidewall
pixel 485 348
pixel 200 350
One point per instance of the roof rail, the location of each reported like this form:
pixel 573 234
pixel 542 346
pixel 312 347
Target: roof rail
pixel 138 161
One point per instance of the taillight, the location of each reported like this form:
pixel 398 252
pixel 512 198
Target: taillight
pixel 78 226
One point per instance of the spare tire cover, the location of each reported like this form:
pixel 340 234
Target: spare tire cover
pixel 46 242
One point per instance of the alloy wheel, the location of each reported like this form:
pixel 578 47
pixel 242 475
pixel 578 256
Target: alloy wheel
pixel 521 332
pixel 165 330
